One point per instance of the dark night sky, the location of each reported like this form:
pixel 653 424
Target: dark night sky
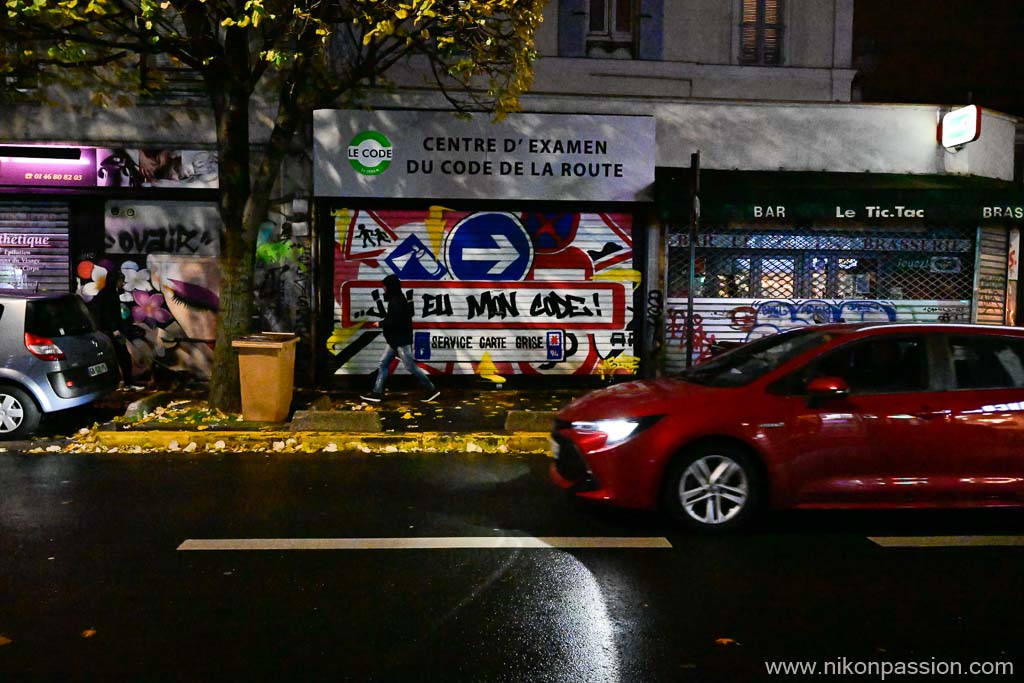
pixel 941 51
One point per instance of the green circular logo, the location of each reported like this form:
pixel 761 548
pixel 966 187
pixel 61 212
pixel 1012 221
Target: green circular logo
pixel 370 153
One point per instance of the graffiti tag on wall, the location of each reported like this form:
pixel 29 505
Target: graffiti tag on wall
pixel 532 293
pixel 162 227
pixel 741 320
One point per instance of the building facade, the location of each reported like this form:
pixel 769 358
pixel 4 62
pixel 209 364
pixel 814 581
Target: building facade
pixel 566 253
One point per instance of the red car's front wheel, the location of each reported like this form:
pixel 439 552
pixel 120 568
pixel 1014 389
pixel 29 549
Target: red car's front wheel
pixel 713 488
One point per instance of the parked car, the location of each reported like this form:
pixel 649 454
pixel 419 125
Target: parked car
pixel 845 415
pixel 53 358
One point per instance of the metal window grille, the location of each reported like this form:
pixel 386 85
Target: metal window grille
pixel 912 263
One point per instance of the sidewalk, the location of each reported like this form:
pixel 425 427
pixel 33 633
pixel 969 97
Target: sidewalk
pixel 474 419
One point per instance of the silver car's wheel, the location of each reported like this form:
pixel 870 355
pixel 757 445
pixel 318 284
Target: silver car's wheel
pixel 713 487
pixel 18 413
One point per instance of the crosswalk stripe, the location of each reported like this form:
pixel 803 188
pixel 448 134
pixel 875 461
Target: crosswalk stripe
pixel 945 541
pixel 436 543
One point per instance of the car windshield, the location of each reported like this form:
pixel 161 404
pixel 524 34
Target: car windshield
pixel 746 363
pixel 58 317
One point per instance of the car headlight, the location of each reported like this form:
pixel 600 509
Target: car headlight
pixel 616 430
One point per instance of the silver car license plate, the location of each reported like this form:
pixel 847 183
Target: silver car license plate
pixel 97 369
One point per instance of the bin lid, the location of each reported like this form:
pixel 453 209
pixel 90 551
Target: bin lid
pixel 265 340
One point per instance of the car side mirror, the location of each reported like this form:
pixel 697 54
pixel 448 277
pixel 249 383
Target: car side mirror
pixel 827 387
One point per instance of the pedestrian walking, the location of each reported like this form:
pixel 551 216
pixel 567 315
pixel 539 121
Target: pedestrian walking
pixel 106 308
pixel 397 326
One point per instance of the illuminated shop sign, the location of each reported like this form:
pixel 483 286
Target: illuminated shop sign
pixel 65 166
pixel 960 126
pixel 52 167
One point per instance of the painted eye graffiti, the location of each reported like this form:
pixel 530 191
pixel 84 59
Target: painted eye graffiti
pixel 193 297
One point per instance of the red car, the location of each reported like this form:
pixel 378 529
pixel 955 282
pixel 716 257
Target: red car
pixel 847 415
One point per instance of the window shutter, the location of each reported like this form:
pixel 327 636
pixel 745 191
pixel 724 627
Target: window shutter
pixel 572 28
pixel 651 29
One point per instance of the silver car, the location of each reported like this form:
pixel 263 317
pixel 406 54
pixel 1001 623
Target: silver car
pixel 53 358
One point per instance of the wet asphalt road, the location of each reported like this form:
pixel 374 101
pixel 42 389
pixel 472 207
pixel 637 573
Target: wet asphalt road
pixel 93 588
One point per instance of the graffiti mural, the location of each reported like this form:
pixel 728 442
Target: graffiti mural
pixel 170 297
pixel 526 293
pixel 741 320
pixel 169 309
pixel 281 278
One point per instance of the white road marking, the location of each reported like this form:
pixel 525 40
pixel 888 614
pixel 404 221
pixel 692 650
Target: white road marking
pixel 439 543
pixel 945 541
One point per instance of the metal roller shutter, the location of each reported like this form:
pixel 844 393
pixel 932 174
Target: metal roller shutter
pixel 34 245
pixel 993 246
pixel 756 281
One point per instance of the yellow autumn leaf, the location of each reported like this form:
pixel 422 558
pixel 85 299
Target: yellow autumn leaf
pixel 725 641
pixel 88 633
pixel 202 427
pixel 4 640
pixel 407 416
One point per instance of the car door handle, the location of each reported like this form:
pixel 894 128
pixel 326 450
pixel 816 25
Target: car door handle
pixel 926 413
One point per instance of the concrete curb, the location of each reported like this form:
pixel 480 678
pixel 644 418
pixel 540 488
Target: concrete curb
pixel 147 404
pixel 336 421
pixel 283 441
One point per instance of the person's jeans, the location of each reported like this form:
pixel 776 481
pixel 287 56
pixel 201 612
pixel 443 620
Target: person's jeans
pixel 404 353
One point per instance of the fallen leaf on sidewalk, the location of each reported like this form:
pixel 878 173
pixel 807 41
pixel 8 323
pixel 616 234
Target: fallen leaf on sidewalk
pixel 725 641
pixel 407 416
pixel 4 640
pixel 88 633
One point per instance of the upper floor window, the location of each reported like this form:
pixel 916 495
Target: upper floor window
pixel 167 80
pixel 18 81
pixel 761 32
pixel 616 29
pixel 610 30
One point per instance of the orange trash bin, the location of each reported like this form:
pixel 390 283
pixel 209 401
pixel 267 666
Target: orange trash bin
pixel 266 368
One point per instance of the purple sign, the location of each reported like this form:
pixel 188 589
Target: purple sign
pixel 67 166
pixel 49 166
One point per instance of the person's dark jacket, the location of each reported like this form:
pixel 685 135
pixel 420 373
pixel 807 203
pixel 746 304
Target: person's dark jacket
pixel 106 308
pixel 397 324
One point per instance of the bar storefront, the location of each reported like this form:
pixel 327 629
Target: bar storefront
pixel 781 250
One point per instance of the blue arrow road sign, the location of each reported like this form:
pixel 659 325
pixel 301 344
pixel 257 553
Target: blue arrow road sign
pixel 489 246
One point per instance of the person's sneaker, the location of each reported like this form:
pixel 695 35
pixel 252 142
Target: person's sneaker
pixel 431 397
pixel 372 397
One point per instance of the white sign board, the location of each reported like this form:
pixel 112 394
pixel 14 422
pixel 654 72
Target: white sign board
pixel 961 126
pixel 532 346
pixel 426 154
pixel 533 305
